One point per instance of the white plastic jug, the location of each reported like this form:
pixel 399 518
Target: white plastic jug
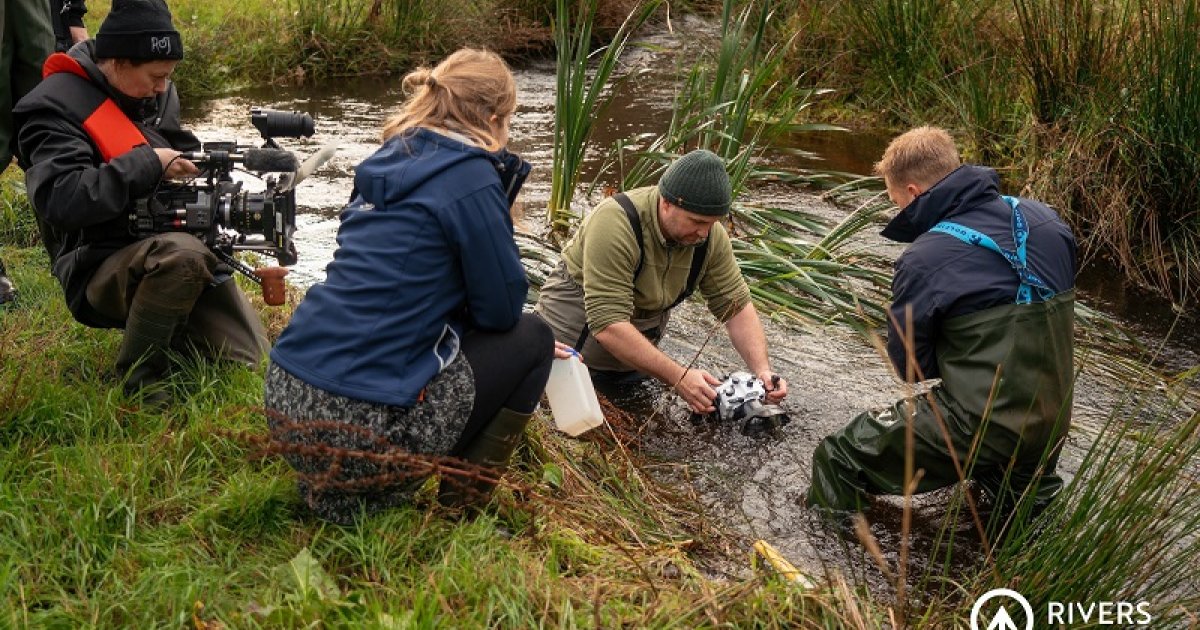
pixel 572 397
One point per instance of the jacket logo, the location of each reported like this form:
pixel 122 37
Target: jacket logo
pixel 160 45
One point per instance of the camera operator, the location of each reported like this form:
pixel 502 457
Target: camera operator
pixel 101 131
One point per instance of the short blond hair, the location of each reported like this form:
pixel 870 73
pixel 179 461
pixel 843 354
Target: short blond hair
pixel 460 94
pixel 921 156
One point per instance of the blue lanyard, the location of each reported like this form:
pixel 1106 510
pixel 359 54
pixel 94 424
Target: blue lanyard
pixel 1029 280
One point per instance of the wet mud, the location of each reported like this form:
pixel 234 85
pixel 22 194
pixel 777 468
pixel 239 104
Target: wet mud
pixel 751 485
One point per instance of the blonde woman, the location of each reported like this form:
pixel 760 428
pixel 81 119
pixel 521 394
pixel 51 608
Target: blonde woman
pixel 416 341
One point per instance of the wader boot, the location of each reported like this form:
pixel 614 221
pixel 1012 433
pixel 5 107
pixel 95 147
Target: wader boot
pixel 8 291
pixel 143 355
pixel 492 449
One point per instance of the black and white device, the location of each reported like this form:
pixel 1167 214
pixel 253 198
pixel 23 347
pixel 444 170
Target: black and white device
pixel 742 397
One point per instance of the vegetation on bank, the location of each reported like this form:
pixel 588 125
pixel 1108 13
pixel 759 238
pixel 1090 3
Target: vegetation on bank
pixel 230 44
pixel 118 516
pixel 1091 106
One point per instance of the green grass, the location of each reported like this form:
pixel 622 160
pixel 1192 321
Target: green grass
pixel 1136 501
pixel 114 516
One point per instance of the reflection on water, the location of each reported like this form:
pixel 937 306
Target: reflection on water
pixel 752 485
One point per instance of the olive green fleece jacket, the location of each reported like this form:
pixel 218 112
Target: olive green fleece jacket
pixel 603 255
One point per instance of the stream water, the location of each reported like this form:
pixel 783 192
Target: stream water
pixel 752 485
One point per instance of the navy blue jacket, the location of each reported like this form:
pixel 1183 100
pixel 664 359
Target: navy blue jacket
pixel 940 277
pixel 425 252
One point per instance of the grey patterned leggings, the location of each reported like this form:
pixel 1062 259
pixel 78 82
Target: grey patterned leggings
pixel 353 455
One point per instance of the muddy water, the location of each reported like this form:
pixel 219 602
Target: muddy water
pixel 753 485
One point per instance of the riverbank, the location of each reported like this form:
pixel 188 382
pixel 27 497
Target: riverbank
pixel 230 44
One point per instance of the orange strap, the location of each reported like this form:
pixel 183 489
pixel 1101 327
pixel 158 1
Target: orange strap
pixel 112 131
pixel 108 127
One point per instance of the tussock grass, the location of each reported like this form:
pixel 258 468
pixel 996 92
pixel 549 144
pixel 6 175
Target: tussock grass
pixel 1125 526
pixel 1089 105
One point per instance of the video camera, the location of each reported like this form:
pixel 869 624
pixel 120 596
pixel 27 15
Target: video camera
pixel 216 209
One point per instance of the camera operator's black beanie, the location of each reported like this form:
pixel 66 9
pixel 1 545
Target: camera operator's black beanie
pixel 138 29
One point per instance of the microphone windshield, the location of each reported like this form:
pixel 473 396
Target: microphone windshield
pixel 275 160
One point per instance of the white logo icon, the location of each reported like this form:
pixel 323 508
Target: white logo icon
pixel 1002 620
pixel 161 45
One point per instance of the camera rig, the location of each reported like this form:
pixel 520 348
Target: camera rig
pixel 214 208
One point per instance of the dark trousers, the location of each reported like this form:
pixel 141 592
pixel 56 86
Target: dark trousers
pixel 26 39
pixel 170 277
pixel 867 456
pixel 510 370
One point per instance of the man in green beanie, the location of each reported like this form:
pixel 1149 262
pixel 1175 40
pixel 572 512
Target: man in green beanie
pixel 639 254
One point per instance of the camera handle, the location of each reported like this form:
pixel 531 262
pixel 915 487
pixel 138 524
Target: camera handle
pixel 238 266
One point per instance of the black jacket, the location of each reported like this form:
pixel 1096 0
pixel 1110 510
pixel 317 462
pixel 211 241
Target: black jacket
pixel 83 203
pixel 64 14
pixel 940 277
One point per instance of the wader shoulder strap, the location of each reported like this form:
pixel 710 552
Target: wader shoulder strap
pixel 1015 258
pixel 698 256
pixel 635 222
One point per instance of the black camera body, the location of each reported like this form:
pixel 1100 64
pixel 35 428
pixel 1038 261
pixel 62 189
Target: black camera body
pixel 215 209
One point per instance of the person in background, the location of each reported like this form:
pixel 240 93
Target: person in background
pixel 26 39
pixel 640 254
pixel 69 29
pixel 98 134
pixel 983 299
pixel 416 343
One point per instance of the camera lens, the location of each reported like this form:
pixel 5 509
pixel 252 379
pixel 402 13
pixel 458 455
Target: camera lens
pixel 276 124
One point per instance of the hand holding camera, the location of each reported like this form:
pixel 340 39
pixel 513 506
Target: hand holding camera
pixel 174 165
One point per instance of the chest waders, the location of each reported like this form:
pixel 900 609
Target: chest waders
pixel 1006 374
pixel 652 324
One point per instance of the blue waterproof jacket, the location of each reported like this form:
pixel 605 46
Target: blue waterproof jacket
pixel 425 253
pixel 940 277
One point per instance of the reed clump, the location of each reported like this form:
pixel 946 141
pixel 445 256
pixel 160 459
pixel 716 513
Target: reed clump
pixel 1090 105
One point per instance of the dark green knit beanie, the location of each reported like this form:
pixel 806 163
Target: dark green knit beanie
pixel 697 182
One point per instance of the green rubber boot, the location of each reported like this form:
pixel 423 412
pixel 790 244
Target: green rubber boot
pixel 143 356
pixel 492 448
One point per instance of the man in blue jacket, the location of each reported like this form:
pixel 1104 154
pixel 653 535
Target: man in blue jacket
pixel 983 299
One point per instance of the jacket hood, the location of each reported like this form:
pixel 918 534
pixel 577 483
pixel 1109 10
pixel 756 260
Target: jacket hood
pixel 965 186
pixel 376 180
pixel 136 108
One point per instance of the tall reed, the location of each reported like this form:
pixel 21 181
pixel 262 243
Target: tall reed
pixel 1161 131
pixel 737 101
pixel 583 91
pixel 899 43
pixel 1068 49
